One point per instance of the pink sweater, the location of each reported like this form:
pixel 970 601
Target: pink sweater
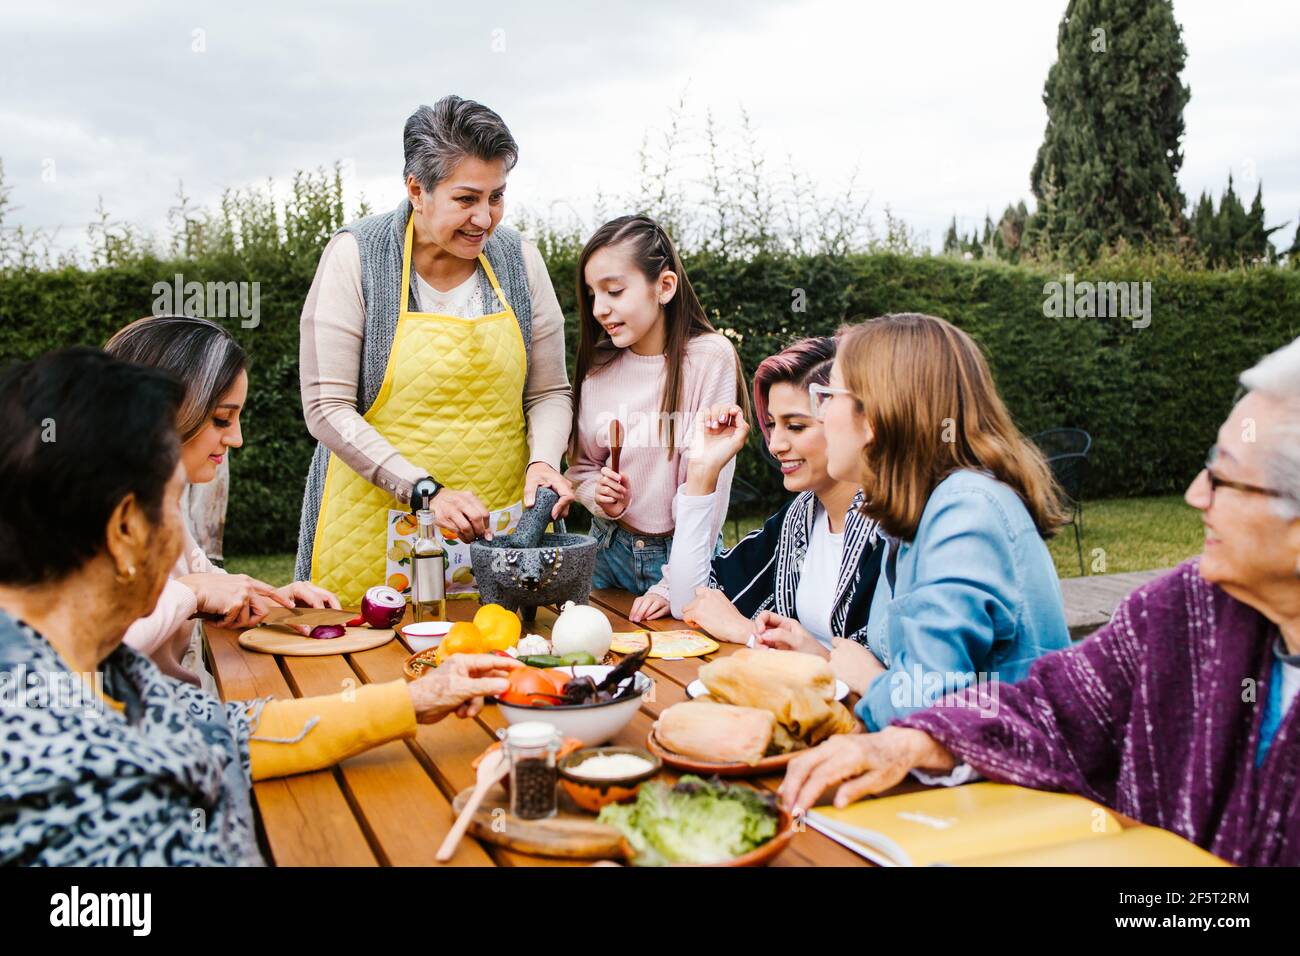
pixel 630 389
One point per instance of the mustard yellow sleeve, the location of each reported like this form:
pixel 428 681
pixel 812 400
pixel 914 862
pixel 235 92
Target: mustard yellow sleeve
pixel 295 736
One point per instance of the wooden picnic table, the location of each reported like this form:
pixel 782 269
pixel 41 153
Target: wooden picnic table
pixel 391 806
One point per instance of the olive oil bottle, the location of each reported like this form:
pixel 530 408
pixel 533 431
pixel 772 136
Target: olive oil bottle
pixel 428 572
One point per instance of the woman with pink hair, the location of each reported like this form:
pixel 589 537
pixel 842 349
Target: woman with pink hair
pixel 816 560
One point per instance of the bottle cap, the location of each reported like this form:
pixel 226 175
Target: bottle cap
pixel 532 733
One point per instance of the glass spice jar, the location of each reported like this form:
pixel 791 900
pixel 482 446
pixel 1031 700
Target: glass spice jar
pixel 531 748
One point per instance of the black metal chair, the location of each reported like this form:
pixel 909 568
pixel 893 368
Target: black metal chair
pixel 1066 451
pixel 744 495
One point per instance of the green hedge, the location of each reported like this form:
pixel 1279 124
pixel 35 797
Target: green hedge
pixel 1152 398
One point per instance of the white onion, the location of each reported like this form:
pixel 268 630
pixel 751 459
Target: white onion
pixel 581 627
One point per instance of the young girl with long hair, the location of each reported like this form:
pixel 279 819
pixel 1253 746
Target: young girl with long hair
pixel 649 361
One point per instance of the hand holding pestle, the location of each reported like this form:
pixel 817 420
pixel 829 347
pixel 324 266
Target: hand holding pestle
pixel 528 533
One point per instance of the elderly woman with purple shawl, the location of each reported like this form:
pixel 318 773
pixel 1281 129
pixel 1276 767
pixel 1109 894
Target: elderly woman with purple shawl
pixel 1180 712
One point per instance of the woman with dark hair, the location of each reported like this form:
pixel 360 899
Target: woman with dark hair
pixel 967 592
pixel 816 560
pixel 1181 712
pixel 213 367
pixel 107 761
pixel 432 365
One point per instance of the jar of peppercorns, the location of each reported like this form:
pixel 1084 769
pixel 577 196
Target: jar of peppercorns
pixel 531 748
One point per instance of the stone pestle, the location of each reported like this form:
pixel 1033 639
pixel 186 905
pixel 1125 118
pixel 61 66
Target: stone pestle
pixel 528 533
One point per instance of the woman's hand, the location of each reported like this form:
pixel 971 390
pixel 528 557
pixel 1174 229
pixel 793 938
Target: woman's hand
pixel 241 601
pixel 306 594
pixel 648 607
pixel 461 513
pixel 711 612
pixel 860 764
pixel 459 685
pixel 785 634
pixel 542 475
pixel 854 664
pixel 613 493
pixel 720 434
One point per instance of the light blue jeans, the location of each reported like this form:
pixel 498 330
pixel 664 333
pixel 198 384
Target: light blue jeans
pixel 624 560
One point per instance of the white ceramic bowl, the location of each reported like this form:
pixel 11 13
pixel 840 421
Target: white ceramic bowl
pixel 593 724
pixel 427 634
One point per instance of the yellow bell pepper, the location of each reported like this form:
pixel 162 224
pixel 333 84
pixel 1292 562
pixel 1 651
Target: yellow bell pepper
pixel 463 638
pixel 500 628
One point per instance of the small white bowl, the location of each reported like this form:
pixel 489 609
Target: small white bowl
pixel 696 688
pixel 593 724
pixel 425 635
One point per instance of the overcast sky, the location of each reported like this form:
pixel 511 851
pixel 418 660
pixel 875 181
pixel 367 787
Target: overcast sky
pixel 936 103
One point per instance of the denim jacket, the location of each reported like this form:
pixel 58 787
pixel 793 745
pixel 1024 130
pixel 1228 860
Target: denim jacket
pixel 973 599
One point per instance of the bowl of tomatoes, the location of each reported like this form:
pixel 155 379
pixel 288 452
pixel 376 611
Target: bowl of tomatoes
pixel 543 693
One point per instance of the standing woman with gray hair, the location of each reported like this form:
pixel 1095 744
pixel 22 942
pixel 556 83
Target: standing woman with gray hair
pixel 432 363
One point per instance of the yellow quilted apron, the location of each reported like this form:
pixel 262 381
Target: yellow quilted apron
pixel 450 403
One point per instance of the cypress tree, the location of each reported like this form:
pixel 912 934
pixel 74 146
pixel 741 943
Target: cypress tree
pixel 951 241
pixel 1108 165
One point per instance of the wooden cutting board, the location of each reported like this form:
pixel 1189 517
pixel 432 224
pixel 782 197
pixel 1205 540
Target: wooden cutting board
pixel 570 834
pixel 276 640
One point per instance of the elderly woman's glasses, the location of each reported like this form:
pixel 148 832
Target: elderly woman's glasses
pixel 1216 482
pixel 821 395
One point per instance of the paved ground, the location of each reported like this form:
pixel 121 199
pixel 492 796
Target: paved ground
pixel 1090 600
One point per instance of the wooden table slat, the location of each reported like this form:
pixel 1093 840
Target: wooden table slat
pixel 446 749
pixel 402 808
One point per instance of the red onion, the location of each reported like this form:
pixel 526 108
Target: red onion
pixel 382 606
pixel 325 632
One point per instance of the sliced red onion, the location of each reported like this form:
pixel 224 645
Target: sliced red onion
pixel 325 632
pixel 382 606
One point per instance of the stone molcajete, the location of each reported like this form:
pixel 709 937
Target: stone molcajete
pixel 528 568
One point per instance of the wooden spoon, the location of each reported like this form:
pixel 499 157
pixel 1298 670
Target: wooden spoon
pixel 615 443
pixel 490 772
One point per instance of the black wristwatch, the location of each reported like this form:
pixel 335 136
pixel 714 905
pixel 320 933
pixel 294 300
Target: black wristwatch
pixel 424 488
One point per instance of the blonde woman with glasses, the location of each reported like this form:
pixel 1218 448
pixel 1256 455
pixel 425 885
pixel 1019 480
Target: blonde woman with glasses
pixel 967 593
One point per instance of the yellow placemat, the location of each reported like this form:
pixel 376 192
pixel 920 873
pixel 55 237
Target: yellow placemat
pixel 666 643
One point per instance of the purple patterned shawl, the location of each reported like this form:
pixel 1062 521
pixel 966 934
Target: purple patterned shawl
pixel 1157 715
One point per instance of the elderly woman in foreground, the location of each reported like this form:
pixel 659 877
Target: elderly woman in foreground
pixel 103 758
pixel 1181 711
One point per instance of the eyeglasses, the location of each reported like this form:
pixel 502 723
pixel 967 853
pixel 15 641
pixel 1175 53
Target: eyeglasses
pixel 820 396
pixel 1216 482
